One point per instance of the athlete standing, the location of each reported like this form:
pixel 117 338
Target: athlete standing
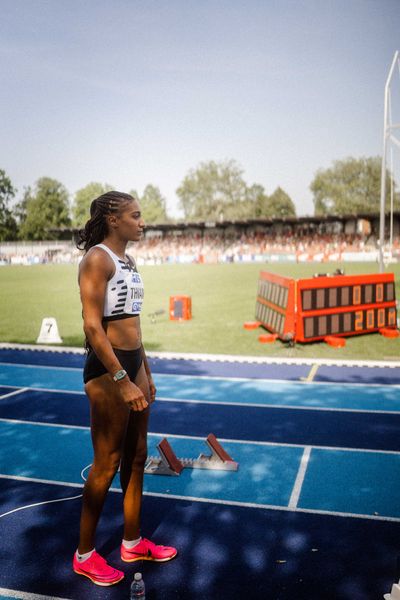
pixel 117 381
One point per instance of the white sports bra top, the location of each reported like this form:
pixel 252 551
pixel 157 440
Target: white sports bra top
pixel 125 292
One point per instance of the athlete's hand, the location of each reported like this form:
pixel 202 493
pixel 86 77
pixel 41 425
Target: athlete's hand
pixel 132 395
pixel 153 390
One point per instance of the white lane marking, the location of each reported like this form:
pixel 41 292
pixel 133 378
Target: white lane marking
pixel 311 375
pixel 215 377
pixel 226 403
pixel 219 501
pixel 51 367
pixel 294 382
pixel 42 348
pixel 46 481
pixel 14 510
pixel 27 595
pixel 298 484
pixel 41 424
pixel 220 357
pixel 20 391
pixel 202 439
pixel 41 389
pixel 280 406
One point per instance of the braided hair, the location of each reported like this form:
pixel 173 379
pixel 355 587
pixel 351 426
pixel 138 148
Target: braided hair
pixel 96 228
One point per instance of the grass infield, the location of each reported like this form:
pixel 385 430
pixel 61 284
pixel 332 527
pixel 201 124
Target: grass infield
pixel 223 298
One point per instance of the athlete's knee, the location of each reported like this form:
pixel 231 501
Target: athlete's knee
pixel 107 465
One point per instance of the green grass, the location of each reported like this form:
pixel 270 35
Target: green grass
pixel 223 298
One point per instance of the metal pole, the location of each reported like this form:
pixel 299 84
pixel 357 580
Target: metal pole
pixel 391 200
pixel 391 178
pixel 386 131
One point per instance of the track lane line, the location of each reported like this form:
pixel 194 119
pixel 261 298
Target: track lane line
pixel 298 484
pixel 219 402
pixel 218 501
pixel 26 595
pixel 220 439
pixel 14 393
pixel 220 377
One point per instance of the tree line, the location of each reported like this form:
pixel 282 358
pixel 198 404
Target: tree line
pixel 213 191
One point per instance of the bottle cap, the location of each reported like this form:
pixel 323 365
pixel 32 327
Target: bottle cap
pixel 137 576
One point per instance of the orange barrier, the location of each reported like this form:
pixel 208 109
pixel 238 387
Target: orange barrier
pixel 267 338
pixel 180 308
pixel 307 310
pixel 336 342
pixel 251 324
pixel 390 333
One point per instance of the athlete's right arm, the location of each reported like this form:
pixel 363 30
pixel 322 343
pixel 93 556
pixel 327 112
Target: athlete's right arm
pixel 95 270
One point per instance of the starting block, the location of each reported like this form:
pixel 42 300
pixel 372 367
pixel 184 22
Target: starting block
pixel 169 464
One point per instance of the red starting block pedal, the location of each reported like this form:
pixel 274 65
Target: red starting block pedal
pixel 217 449
pixel 168 464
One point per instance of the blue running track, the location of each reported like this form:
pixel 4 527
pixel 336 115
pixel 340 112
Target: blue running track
pixel 313 511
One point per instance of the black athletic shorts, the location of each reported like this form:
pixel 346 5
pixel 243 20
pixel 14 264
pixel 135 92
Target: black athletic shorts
pixel 130 360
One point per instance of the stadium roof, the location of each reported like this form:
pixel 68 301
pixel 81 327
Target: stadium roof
pixel 306 220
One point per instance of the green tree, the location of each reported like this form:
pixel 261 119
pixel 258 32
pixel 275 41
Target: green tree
pixel 153 205
pixel 213 190
pixel 350 186
pixel 21 208
pixel 46 209
pixel 8 224
pixel 256 201
pixel 83 199
pixel 279 205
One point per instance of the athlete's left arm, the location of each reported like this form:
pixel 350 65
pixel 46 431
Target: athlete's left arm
pixel 149 376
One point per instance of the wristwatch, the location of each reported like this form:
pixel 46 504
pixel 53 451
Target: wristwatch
pixel 120 375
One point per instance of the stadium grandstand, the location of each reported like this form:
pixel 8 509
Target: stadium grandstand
pixel 319 239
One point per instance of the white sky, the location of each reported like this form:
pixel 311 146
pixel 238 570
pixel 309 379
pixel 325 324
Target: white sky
pixel 135 92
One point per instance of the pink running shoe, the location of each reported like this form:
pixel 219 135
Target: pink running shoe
pixel 147 550
pixel 97 569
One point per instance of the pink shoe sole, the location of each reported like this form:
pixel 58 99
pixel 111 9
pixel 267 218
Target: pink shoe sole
pixel 97 582
pixel 130 560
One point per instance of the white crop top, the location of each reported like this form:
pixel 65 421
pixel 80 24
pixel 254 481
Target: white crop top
pixel 125 292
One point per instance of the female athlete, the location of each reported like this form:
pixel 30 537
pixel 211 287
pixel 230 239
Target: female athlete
pixel 117 379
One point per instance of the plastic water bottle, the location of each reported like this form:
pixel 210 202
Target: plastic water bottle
pixel 137 588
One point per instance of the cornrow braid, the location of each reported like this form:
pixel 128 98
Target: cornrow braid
pixel 96 228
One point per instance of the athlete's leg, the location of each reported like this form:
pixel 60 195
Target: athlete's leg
pixel 133 461
pixel 109 417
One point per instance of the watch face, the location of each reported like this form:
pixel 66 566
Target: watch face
pixel 119 375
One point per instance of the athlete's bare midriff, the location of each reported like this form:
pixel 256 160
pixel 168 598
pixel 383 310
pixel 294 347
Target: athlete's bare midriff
pixel 124 334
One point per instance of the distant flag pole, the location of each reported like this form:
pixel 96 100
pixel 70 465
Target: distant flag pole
pixel 388 136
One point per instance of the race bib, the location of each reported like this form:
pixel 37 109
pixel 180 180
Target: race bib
pixel 135 295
